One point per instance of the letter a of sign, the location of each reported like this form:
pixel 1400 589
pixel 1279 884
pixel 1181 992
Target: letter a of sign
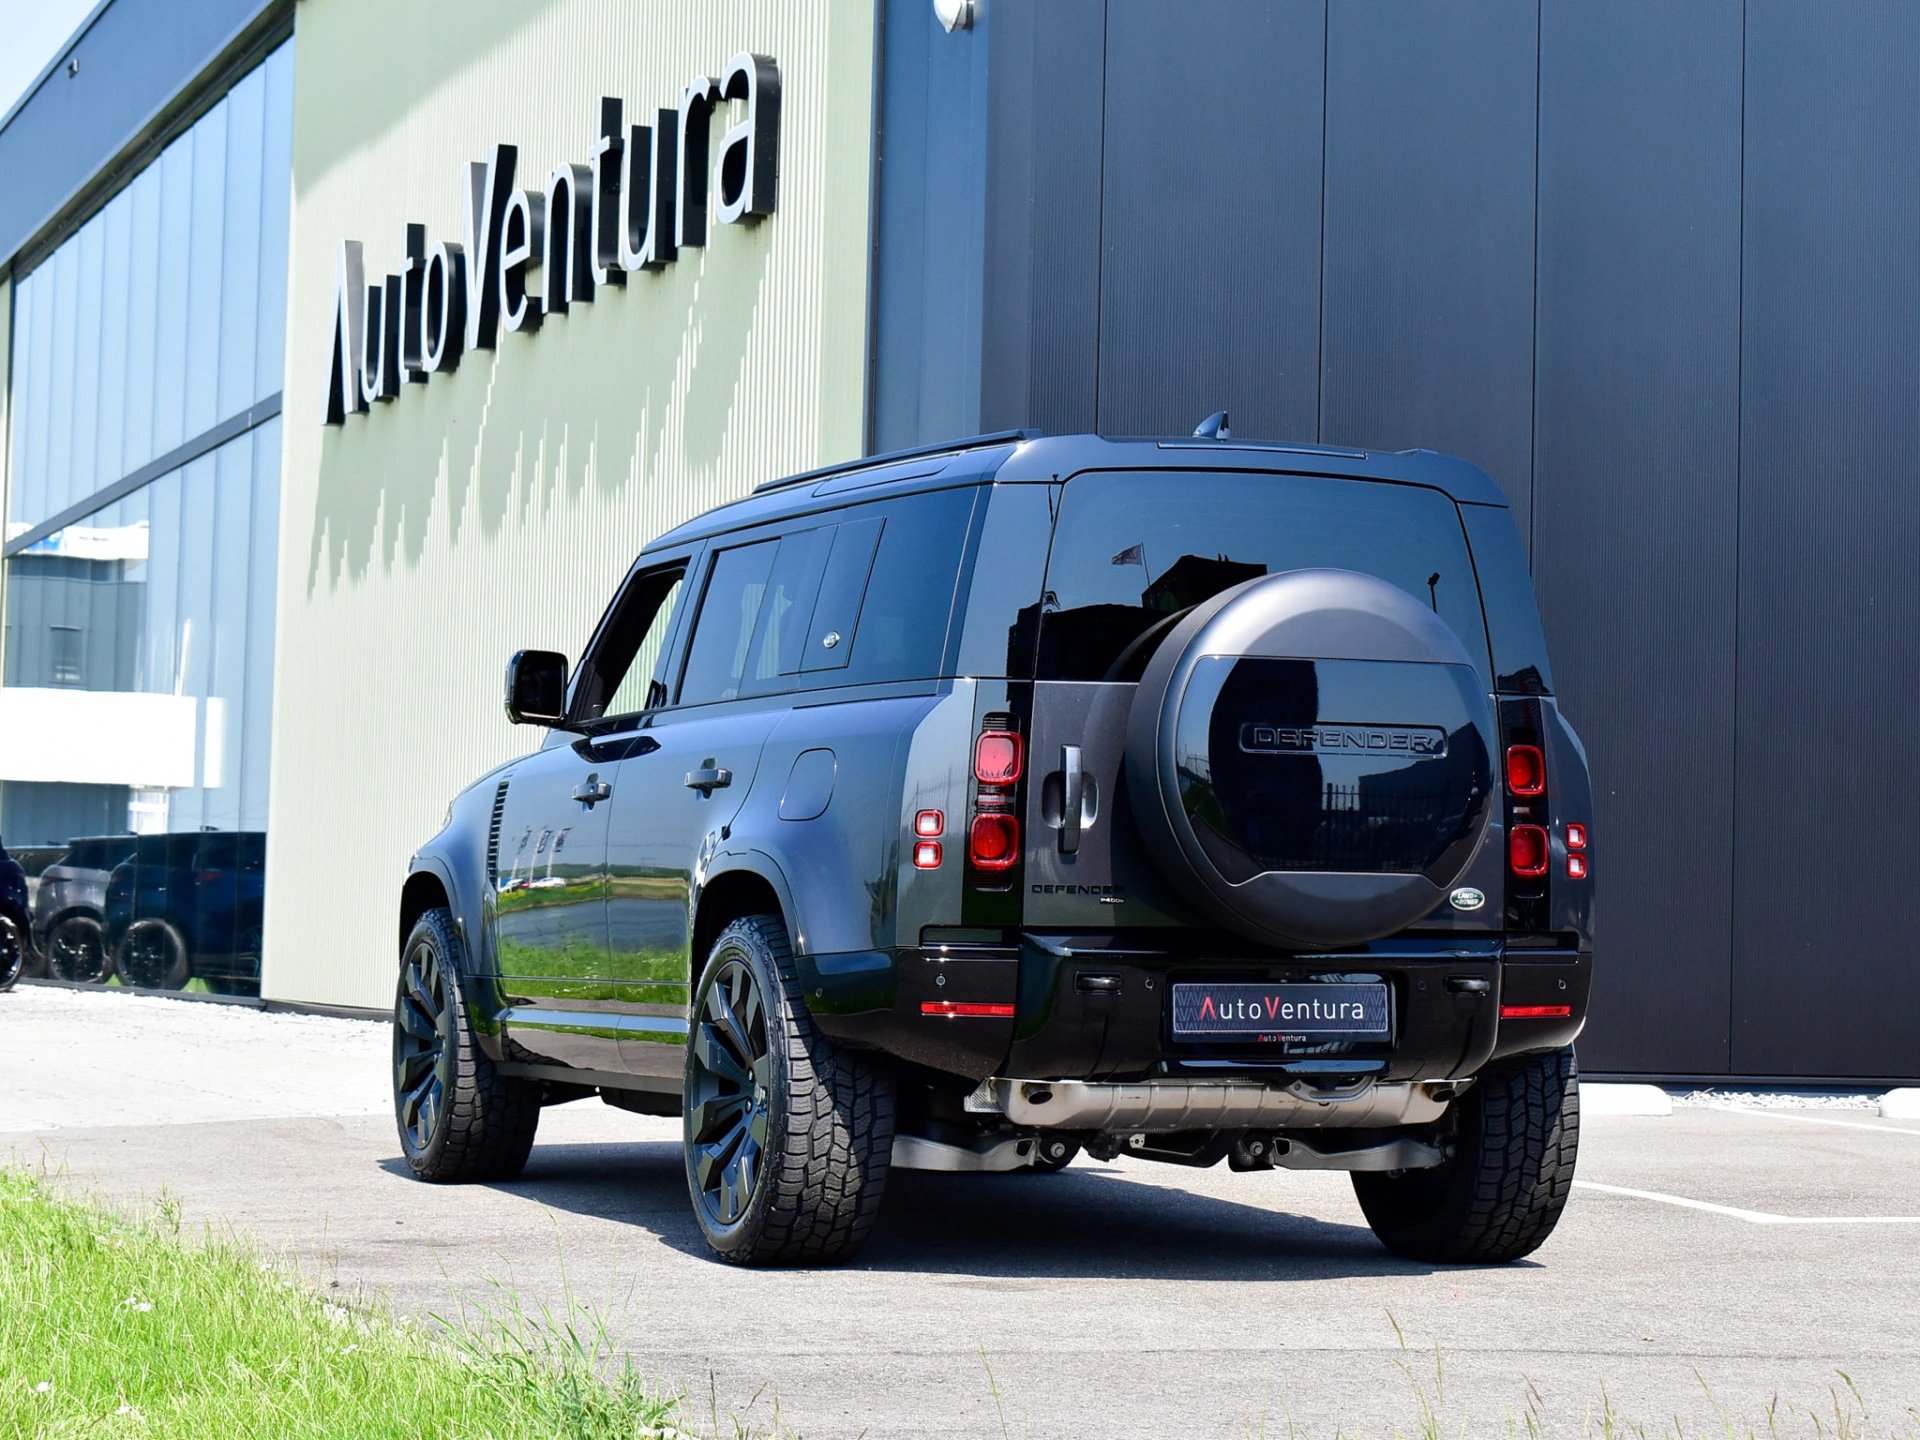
pixel 343 369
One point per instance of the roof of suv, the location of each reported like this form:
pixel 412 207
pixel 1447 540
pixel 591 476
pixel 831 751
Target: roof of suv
pixel 1027 456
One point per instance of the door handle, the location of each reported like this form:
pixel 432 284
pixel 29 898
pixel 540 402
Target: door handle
pixel 709 779
pixel 1072 786
pixel 592 790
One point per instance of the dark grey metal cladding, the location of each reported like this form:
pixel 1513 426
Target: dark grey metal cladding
pixel 1636 488
pixel 1428 280
pixel 1210 216
pixel 1046 79
pixel 929 197
pixel 131 62
pixel 1824 891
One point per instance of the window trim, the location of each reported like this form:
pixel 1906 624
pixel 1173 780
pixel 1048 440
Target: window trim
pixel 689 563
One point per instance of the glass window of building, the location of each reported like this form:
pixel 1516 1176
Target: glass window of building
pixel 140 543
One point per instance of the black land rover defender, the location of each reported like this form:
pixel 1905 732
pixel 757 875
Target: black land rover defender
pixel 965 809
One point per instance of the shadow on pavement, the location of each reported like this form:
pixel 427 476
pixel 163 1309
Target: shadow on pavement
pixel 1086 1222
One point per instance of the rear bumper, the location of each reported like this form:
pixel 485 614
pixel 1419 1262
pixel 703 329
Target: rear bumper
pixel 1090 1008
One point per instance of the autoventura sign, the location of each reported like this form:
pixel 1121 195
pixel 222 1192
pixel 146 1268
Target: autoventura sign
pixel 642 197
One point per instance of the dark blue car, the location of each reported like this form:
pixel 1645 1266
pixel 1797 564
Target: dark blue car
pixel 189 905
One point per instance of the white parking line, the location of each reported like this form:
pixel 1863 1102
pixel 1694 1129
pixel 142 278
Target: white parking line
pixel 1806 1119
pixel 1752 1217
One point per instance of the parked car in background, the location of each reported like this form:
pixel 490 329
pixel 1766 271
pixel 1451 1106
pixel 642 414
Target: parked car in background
pixel 15 928
pixel 70 909
pixel 188 906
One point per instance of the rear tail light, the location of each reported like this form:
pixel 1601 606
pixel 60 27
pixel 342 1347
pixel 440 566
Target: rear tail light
pixel 1536 1012
pixel 1526 770
pixel 929 823
pixel 1576 867
pixel 997 757
pixel 926 855
pixel 994 841
pixel 1576 837
pixel 1527 851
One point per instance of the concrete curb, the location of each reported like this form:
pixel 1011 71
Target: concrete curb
pixel 1611 1099
pixel 1902 1104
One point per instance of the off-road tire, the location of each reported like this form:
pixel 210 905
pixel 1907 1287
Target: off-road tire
pixel 135 969
pixel 484 1123
pixel 1515 1139
pixel 828 1120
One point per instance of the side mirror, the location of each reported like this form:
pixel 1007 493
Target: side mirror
pixel 536 687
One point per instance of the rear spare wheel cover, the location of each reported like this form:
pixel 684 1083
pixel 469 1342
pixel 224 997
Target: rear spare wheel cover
pixel 1310 756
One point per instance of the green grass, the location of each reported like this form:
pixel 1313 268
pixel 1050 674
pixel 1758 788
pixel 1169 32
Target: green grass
pixel 111 1325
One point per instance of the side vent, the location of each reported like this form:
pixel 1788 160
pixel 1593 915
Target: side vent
pixel 493 834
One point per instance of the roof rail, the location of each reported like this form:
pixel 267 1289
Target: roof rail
pixel 893 457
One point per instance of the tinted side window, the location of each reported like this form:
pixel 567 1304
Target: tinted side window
pixel 723 628
pixel 901 629
pixel 1134 551
pixel 620 674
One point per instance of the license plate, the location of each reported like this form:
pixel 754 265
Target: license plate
pixel 1239 1011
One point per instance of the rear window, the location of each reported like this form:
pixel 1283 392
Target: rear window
pixel 1133 550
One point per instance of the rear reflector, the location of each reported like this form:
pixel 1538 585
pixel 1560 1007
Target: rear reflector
pixel 966 1007
pixel 996 757
pixel 1527 850
pixel 929 823
pixel 1526 770
pixel 926 855
pixel 994 841
pixel 1576 867
pixel 1536 1012
pixel 1576 837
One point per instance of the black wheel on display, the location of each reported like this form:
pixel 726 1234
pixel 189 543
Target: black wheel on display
pixel 153 955
pixel 1515 1140
pixel 459 1118
pixel 77 951
pixel 13 951
pixel 788 1141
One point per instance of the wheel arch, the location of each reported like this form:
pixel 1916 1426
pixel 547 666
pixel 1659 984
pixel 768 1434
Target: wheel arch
pixel 738 885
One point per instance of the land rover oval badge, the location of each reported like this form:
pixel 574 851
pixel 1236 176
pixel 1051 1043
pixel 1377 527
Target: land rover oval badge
pixel 1467 898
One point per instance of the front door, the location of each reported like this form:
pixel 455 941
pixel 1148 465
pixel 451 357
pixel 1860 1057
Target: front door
pixel 550 903
pixel 566 1005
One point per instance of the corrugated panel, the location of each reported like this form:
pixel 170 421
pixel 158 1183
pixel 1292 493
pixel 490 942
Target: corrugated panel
pixel 1210 232
pixel 1829 586
pixel 1635 489
pixel 1429 231
pixel 498 507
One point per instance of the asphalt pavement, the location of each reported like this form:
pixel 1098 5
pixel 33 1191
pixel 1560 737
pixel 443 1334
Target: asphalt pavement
pixel 1711 1260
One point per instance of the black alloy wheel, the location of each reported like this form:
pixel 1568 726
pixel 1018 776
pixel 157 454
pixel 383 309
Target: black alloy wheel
pixel 458 1117
pixel 13 951
pixel 154 956
pixel 422 1026
pixel 77 951
pixel 728 1096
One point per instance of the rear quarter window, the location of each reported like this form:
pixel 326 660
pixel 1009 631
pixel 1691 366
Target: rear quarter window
pixel 1131 550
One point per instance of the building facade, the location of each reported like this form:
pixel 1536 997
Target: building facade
pixel 351 347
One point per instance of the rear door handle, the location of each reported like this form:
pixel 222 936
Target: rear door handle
pixel 1072 785
pixel 592 790
pixel 709 779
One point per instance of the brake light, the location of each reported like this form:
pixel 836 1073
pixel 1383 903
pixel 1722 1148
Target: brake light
pixel 926 855
pixel 1526 770
pixel 929 823
pixel 994 841
pixel 1527 851
pixel 997 757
